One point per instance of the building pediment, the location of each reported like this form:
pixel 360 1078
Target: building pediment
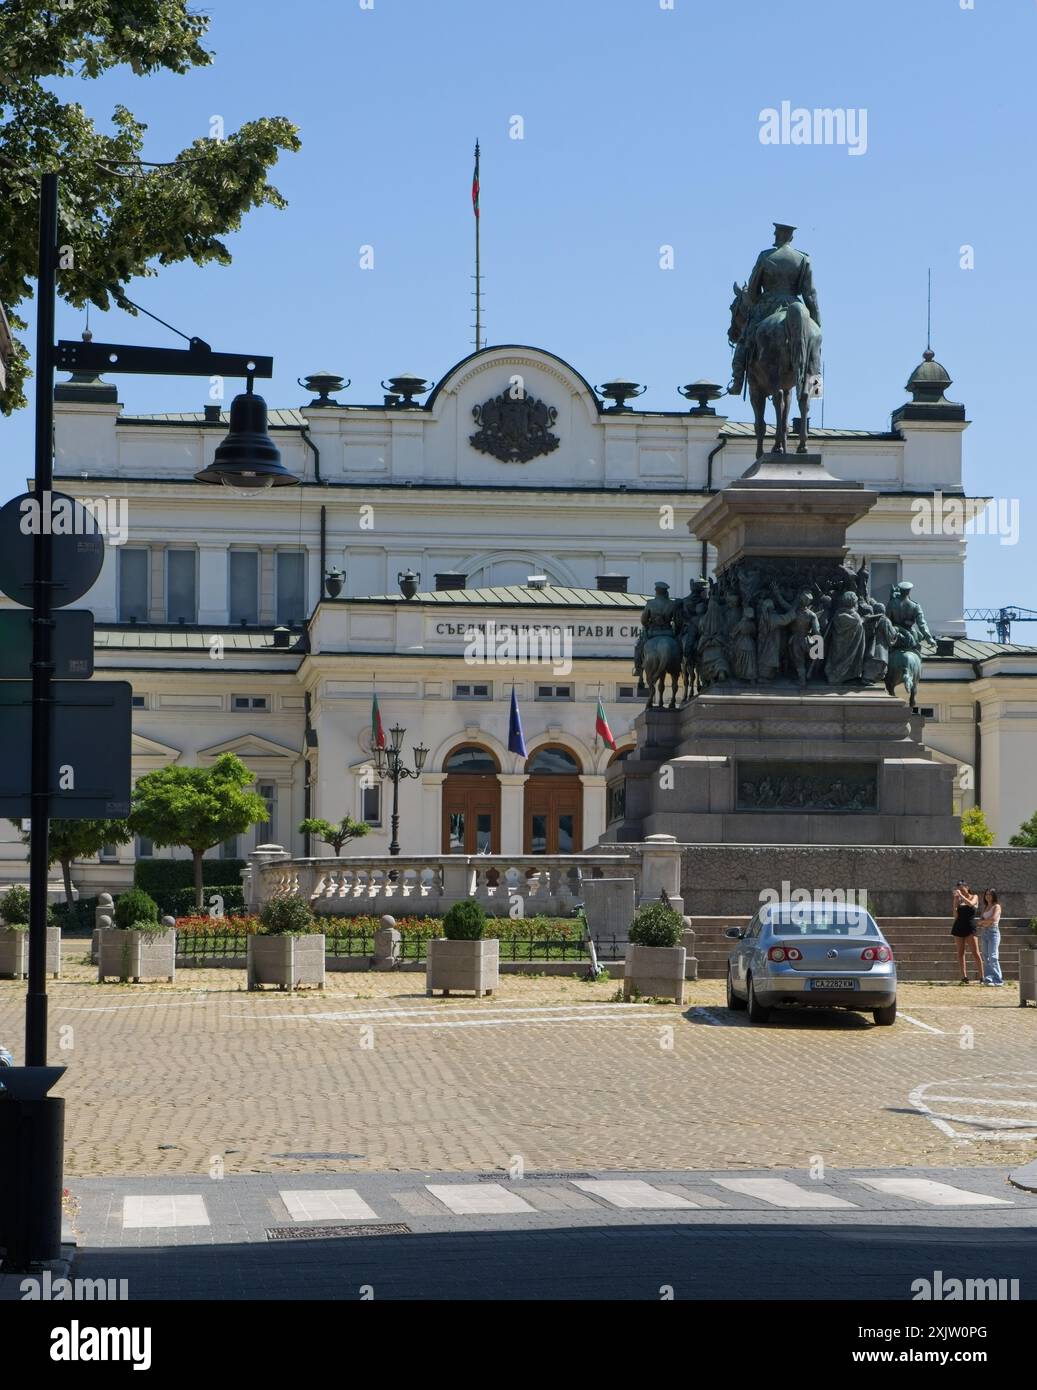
pixel 250 748
pixel 149 753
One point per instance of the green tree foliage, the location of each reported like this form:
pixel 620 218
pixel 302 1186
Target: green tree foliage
pixel 1027 837
pixel 69 840
pixel 285 916
pixel 465 921
pixel 135 908
pixel 335 835
pixel 196 807
pixel 657 925
pixel 118 218
pixel 974 828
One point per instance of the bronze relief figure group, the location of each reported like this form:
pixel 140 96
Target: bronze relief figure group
pixel 767 622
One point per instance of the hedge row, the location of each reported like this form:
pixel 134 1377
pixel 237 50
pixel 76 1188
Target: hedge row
pixel 157 876
pixel 182 902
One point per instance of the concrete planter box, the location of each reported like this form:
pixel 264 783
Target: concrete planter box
pixel 657 971
pixel 463 965
pixel 290 962
pixel 14 952
pixel 1028 975
pixel 136 955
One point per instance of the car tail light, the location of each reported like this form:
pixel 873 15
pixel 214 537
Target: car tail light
pixel 881 953
pixel 780 953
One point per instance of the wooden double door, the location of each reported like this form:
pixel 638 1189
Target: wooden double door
pixel 471 815
pixel 553 815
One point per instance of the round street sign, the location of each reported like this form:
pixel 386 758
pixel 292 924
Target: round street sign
pixel 77 546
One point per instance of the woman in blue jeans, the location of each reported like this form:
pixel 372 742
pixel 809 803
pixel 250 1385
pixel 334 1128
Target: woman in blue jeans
pixel 989 924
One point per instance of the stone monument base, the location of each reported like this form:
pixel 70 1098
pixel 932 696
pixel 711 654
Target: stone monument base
pixel 815 766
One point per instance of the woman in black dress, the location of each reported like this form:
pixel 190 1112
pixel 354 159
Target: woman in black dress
pixel 964 929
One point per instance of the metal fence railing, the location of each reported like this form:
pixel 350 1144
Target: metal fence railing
pixel 222 945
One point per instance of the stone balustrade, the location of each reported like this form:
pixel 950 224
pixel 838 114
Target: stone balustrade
pixel 428 885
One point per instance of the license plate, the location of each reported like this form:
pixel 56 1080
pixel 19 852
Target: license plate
pixel 833 984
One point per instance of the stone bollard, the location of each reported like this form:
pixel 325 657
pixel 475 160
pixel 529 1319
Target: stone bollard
pixel 387 942
pixel 104 914
pixel 169 921
pixel 691 965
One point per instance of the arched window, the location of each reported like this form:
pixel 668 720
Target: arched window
pixel 620 754
pixel 471 760
pixel 553 761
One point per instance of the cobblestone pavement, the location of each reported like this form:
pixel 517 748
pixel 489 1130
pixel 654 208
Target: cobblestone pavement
pixel 372 1076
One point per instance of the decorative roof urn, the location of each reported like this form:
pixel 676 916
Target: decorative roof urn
pixel 408 582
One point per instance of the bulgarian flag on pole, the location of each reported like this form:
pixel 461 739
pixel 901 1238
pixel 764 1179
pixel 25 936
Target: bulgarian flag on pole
pixel 601 726
pixel 377 732
pixel 475 182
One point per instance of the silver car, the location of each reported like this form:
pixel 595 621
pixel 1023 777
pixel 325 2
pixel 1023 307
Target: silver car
pixel 812 955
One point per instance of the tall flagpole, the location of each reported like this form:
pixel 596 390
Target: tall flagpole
pixel 478 255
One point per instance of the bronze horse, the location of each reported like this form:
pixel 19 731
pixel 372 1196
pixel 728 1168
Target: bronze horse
pixel 778 366
pixel 662 657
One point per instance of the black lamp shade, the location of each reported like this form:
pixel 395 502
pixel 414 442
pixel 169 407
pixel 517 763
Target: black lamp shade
pixel 248 458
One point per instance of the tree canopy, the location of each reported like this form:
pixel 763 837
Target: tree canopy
pixel 1027 836
pixel 118 218
pixel 196 807
pixel 69 840
pixel 335 834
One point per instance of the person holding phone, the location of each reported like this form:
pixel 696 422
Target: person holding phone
pixel 966 904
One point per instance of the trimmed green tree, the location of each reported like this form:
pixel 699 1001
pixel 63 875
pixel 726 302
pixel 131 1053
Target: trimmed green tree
pixel 1027 836
pixel 79 839
pixel 328 833
pixel 657 925
pixel 196 808
pixel 974 828
pixel 118 219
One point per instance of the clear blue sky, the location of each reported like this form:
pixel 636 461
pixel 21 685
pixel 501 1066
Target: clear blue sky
pixel 641 128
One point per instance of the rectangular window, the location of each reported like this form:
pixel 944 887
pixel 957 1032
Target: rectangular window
pixel 133 585
pixel 371 804
pixel 139 701
pixel 249 702
pixel 627 692
pixel 145 848
pixel 109 852
pixel 884 574
pixel 244 586
pixel 467 691
pixel 229 848
pixel 268 791
pixel 291 588
pixel 554 692
pixel 181 596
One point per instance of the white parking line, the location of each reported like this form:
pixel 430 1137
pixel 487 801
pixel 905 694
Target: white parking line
pixel 919 1024
pixel 321 1205
pixel 778 1192
pixel 140 1212
pixel 431 1010
pixel 478 1198
pixel 953 1102
pixel 934 1194
pixel 633 1195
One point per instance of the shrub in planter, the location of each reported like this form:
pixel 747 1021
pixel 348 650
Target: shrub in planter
pixel 14 935
pixel 465 921
pixel 135 910
pixel 655 961
pixel 285 916
pixel 463 959
pixel 286 951
pixel 657 925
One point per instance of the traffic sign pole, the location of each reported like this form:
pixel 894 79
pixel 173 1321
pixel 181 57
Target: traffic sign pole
pixel 42 629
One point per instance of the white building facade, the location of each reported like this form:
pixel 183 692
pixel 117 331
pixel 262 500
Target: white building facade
pixel 564 540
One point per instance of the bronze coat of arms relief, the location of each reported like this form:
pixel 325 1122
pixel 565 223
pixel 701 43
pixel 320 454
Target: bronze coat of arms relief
pixel 514 428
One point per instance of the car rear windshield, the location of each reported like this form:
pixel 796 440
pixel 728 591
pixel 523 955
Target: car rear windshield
pixel 810 921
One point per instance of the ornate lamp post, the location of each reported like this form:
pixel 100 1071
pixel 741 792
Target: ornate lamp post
pixel 389 762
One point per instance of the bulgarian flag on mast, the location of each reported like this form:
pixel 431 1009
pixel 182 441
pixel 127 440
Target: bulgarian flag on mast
pixel 601 726
pixel 377 732
pixel 475 182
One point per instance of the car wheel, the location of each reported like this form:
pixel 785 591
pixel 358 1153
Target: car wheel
pixel 884 1017
pixel 733 1001
pixel 758 1013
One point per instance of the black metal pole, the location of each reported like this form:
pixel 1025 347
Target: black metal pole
pixel 394 847
pixel 42 625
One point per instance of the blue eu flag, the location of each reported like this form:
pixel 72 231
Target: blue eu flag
pixel 516 739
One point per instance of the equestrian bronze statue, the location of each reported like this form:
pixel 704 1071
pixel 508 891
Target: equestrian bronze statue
pixel 776 333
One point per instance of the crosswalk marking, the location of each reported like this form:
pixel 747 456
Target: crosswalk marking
pixel 478 1198
pixel 319 1204
pixel 633 1195
pixel 140 1212
pixel 778 1192
pixel 934 1194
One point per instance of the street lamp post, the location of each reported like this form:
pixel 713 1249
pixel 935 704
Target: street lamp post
pixel 390 764
pixel 247 459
